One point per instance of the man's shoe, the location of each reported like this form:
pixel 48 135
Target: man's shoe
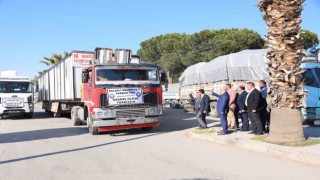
pixel 251 132
pixel 258 134
pixel 222 133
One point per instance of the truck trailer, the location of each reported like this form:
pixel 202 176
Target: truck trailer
pixel 241 67
pixel 16 96
pixel 104 89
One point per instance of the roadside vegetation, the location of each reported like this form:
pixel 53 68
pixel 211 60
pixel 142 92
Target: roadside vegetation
pixel 308 142
pixel 203 131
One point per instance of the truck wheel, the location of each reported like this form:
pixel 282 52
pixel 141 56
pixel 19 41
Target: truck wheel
pixel 74 117
pixel 309 123
pixel 29 115
pixel 92 130
pixel 146 128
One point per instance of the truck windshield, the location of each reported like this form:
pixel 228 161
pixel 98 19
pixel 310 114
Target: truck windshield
pixel 126 75
pixel 15 87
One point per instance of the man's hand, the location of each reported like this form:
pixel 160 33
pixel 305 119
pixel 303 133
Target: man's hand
pixel 254 110
pixel 212 90
pixel 222 112
pixel 204 112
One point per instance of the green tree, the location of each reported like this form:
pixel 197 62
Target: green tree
pixel 164 50
pixel 209 44
pixel 54 59
pixel 309 39
pixel 174 52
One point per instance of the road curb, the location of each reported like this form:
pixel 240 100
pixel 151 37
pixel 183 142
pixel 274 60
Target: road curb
pixel 262 147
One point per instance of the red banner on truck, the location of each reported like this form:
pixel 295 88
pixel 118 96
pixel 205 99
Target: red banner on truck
pixel 82 59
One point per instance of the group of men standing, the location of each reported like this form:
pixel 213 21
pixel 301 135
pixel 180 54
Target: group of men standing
pixel 248 103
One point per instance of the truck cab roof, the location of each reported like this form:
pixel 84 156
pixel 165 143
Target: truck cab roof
pixel 128 65
pixel 12 76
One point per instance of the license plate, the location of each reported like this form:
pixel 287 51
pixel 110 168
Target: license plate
pixel 317 122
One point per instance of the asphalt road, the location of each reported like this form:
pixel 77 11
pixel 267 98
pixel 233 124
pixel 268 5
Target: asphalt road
pixel 51 148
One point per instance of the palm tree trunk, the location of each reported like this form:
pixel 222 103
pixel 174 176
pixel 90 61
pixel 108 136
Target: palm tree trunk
pixel 284 48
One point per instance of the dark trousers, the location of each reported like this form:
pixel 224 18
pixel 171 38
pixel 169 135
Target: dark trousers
pixel 236 117
pixel 244 120
pixel 265 119
pixel 201 118
pixel 224 122
pixel 256 125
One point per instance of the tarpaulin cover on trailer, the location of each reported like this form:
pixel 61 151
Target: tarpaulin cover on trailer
pixel 248 65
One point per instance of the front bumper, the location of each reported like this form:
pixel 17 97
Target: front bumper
pixel 126 123
pixel 26 109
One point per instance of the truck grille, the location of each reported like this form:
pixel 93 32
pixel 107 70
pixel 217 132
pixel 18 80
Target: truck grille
pixel 103 100
pixel 151 98
pixel 130 113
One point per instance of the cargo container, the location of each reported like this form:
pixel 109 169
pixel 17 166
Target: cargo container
pixel 60 86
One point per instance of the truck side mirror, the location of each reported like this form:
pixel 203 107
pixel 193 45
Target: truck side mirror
pixel 163 77
pixel 85 76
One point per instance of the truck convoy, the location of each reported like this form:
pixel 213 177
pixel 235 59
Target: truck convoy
pixel 104 89
pixel 16 96
pixel 248 65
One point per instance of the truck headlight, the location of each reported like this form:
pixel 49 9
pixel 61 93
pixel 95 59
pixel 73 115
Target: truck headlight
pixel 99 114
pixel 154 111
pixel 107 114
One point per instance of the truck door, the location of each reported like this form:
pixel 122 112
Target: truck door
pixel 312 102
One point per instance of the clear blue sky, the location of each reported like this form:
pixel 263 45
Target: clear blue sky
pixel 33 29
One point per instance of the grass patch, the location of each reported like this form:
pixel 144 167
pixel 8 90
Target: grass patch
pixel 259 138
pixel 204 131
pixel 307 142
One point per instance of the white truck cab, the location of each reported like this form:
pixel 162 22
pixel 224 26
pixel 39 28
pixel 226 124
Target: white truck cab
pixel 16 96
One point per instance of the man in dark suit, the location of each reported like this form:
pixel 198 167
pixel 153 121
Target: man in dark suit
pixel 265 109
pixel 242 108
pixel 202 107
pixel 253 106
pixel 222 109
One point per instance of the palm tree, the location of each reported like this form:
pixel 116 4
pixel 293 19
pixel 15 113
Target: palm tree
pixel 54 59
pixel 284 48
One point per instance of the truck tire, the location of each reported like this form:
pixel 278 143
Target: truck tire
pixel 74 116
pixel 146 129
pixel 92 130
pixel 28 115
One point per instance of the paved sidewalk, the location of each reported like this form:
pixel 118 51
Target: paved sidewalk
pixel 308 154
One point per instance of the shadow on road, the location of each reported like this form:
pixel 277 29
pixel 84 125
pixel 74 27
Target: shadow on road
pixel 75 149
pixel 41 134
pixel 177 120
pixel 173 120
pixel 36 116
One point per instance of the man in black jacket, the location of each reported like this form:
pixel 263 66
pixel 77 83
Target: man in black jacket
pixel 253 106
pixel 241 100
pixel 202 107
